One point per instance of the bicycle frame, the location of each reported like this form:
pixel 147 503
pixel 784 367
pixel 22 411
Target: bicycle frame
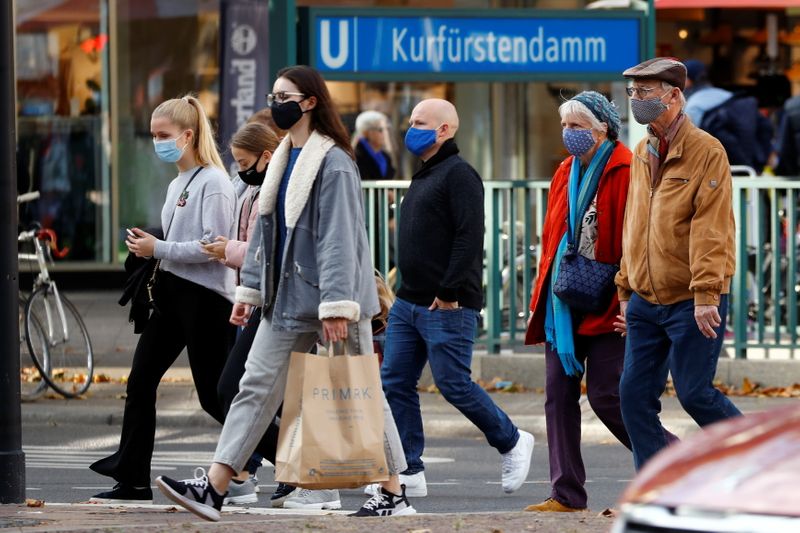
pixel 41 256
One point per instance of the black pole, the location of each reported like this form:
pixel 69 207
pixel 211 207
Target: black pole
pixel 12 460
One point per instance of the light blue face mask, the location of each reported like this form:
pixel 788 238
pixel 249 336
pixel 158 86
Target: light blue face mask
pixel 168 150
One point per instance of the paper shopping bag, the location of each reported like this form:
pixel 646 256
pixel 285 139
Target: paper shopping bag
pixel 331 433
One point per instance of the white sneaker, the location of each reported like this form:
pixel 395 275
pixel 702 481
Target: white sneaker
pixel 517 462
pixel 313 499
pixel 240 493
pixel 416 486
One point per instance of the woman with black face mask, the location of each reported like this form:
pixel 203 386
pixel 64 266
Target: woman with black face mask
pixel 252 148
pixel 310 268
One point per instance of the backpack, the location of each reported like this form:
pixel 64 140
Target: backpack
pixel 742 130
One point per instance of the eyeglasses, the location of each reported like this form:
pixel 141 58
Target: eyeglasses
pixel 281 97
pixel 641 92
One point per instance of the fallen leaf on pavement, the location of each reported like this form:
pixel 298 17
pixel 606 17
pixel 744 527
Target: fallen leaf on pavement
pixel 608 513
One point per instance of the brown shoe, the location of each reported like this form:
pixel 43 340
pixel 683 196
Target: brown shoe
pixel 552 506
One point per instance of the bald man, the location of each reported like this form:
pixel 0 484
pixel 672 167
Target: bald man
pixel 436 312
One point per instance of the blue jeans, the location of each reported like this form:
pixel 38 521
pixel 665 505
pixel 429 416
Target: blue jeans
pixel 444 338
pixel 661 339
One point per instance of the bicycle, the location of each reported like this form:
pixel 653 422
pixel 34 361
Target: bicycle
pixel 54 332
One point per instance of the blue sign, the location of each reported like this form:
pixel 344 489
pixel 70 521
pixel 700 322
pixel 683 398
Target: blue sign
pixel 427 47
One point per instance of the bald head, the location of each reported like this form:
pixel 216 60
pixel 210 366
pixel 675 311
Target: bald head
pixel 432 113
pixel 438 115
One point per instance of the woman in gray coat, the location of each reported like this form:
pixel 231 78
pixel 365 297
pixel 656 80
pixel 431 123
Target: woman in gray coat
pixel 309 266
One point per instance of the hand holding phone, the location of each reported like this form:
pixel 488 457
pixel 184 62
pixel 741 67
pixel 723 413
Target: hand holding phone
pixel 131 233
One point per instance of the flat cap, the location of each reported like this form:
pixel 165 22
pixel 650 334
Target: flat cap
pixel 666 69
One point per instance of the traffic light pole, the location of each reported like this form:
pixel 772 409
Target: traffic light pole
pixel 12 460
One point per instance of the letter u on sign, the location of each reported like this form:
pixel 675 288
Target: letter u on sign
pixel 343 49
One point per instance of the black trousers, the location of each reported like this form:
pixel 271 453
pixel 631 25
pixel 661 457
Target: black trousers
pixel 191 317
pixel 228 386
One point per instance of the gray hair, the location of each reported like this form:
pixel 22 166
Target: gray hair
pixel 578 109
pixel 667 87
pixel 369 120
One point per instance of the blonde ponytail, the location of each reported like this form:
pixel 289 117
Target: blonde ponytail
pixel 188 114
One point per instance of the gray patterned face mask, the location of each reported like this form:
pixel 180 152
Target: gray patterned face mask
pixel 647 111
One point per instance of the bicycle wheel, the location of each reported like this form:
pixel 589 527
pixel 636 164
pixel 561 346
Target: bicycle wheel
pixel 71 358
pixel 31 384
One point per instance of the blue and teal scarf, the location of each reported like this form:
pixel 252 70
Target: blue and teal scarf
pixel 558 325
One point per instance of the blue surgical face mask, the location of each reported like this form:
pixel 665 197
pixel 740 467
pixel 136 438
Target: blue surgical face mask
pixel 168 150
pixel 578 142
pixel 418 141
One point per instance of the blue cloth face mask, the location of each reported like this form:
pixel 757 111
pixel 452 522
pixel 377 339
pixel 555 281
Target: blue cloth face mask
pixel 418 140
pixel 647 111
pixel 577 142
pixel 168 150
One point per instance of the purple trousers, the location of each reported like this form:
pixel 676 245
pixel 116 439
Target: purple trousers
pixel 602 357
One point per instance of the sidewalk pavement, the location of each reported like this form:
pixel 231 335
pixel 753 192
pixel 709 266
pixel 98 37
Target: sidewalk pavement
pixel 62 517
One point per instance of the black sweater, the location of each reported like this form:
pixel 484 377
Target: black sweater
pixel 441 232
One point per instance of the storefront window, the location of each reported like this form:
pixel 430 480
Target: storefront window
pixel 60 126
pixel 166 50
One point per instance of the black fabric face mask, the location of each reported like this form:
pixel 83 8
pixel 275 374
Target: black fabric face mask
pixel 286 114
pixel 251 176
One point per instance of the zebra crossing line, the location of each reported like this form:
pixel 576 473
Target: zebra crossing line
pixel 61 457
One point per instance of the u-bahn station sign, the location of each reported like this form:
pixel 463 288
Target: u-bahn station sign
pixel 494 45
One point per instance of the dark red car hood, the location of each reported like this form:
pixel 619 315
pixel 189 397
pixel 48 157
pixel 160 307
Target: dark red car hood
pixel 750 464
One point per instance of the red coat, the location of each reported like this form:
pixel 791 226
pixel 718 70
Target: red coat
pixel 612 193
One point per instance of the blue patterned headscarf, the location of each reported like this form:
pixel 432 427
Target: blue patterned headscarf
pixel 602 109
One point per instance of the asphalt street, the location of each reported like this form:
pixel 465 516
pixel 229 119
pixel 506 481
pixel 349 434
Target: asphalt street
pixel 463 474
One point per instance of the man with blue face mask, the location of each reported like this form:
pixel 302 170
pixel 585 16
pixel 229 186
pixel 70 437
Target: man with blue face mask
pixel 436 312
pixel 677 261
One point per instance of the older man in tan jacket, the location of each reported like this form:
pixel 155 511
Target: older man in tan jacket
pixel 677 261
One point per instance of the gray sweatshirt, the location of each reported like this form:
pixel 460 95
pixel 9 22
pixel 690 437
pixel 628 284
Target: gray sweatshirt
pixel 205 212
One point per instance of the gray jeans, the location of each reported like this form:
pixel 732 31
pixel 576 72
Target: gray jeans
pixel 264 382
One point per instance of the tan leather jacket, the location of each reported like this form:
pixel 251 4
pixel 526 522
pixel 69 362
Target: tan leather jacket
pixel 678 237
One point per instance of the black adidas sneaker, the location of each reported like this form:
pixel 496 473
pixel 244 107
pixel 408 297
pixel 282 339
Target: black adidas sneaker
pixel 384 503
pixel 195 495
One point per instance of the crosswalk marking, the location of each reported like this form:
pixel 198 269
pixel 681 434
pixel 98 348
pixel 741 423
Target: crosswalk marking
pixel 57 457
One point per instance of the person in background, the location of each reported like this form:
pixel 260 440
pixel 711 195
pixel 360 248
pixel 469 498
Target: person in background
pixel 194 295
pixel 370 141
pixel 309 266
pixel 677 261
pixel 435 314
pixel 579 344
pixel 252 147
pixel 734 119
pixel 789 140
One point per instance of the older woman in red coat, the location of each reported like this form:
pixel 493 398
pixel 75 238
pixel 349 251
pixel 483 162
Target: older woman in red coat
pixel 577 343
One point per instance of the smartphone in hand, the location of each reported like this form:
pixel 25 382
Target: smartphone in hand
pixel 131 233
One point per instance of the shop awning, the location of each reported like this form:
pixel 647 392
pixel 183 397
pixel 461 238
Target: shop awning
pixel 743 4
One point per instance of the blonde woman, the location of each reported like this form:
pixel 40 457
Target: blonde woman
pixel 194 294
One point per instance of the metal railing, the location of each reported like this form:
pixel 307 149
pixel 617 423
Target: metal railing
pixel 764 293
pixel 763 308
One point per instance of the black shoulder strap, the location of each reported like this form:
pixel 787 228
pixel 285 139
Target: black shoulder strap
pixel 196 172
